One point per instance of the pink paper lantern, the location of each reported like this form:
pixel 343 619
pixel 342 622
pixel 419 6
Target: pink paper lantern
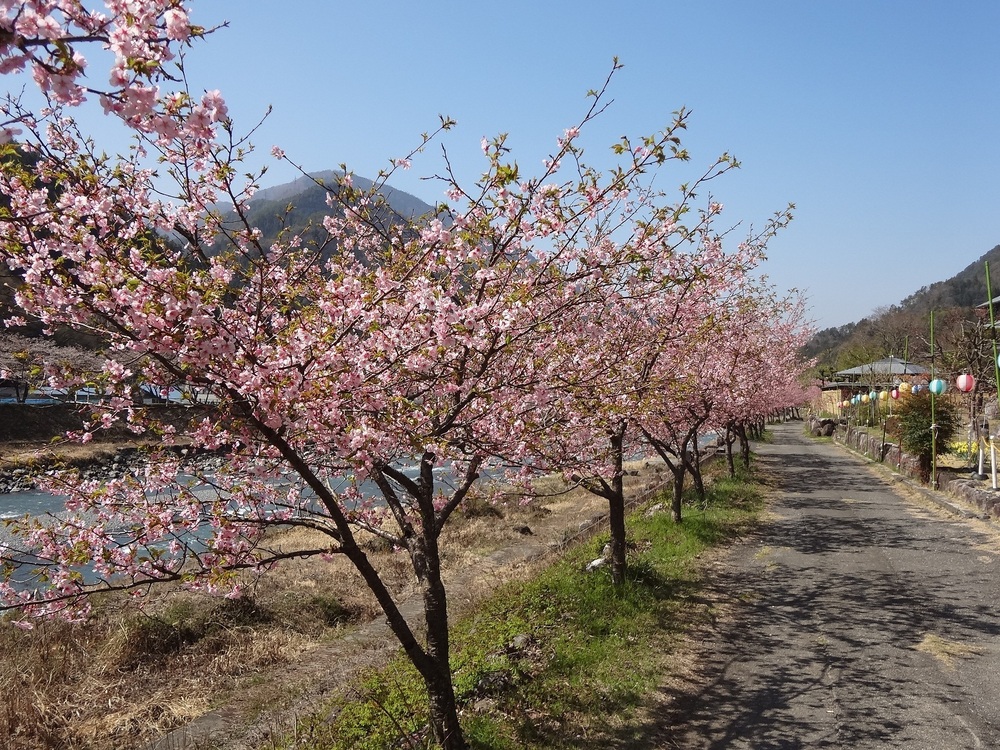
pixel 965 382
pixel 894 393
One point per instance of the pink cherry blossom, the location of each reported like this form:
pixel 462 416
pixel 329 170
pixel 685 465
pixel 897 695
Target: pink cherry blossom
pixel 540 323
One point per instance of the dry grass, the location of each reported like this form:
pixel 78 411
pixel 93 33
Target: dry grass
pixel 64 452
pixel 946 651
pixel 126 675
pixel 127 678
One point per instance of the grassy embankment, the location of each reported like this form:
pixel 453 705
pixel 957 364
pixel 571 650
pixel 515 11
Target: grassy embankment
pixel 563 660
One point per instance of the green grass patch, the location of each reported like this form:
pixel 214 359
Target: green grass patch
pixel 563 660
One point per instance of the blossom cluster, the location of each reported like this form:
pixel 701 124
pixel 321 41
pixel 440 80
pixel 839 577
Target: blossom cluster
pixel 366 379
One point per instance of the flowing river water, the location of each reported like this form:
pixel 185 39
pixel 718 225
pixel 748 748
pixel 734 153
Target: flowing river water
pixel 29 502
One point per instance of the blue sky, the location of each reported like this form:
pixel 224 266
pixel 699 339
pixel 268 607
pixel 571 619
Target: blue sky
pixel 878 119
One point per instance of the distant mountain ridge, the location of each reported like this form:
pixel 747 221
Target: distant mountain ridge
pixel 967 288
pixel 305 188
pixel 268 211
pixel 268 208
pixel 964 290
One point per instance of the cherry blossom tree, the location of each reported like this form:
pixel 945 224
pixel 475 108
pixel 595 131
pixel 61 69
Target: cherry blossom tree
pixel 637 349
pixel 698 348
pixel 765 364
pixel 29 361
pixel 363 381
pixel 676 413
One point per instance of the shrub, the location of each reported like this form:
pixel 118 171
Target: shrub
pixel 913 428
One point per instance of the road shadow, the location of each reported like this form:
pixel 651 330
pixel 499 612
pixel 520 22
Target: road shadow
pixel 833 608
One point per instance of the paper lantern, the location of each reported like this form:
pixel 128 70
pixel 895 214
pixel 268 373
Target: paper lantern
pixel 864 398
pixel 883 395
pixel 905 387
pixel 916 389
pixel 873 395
pixel 937 386
pixel 965 382
pixel 894 393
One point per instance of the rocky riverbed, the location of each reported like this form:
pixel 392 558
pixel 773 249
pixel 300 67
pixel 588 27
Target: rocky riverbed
pixel 123 462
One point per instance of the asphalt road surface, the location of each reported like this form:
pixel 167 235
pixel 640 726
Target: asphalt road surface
pixel 860 619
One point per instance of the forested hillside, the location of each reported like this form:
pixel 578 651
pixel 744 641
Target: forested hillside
pixel 299 206
pixel 903 329
pixel 965 289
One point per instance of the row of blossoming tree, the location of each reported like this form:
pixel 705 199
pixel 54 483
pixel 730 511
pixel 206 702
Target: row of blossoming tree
pixel 556 322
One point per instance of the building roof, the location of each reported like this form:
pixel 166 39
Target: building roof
pixel 887 366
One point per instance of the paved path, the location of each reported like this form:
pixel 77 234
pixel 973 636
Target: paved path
pixel 861 620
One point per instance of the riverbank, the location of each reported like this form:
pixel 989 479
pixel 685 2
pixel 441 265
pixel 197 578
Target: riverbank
pixel 22 424
pixel 33 442
pixel 296 638
pixel 103 462
pixel 290 645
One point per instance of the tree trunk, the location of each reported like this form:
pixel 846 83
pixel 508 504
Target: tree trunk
pixel 676 501
pixel 616 508
pixel 437 676
pixel 444 716
pixel 676 463
pixel 435 670
pixel 693 463
pixel 432 663
pixel 729 451
pixel 924 467
pixel 741 433
pixel 699 481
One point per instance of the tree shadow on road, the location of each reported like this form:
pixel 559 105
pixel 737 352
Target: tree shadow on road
pixel 830 605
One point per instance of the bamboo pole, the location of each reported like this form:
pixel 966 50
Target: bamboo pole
pixel 996 367
pixel 933 414
pixel 906 361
